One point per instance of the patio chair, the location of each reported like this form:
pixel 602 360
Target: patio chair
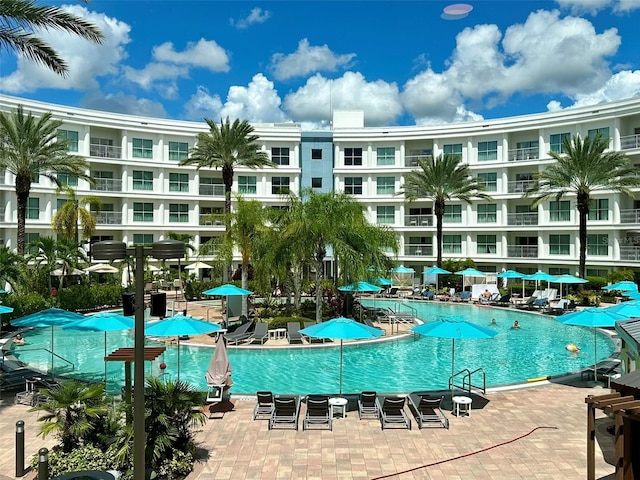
pixel 392 413
pixel 540 304
pixel 293 332
pixel 240 334
pixel 307 337
pixel 368 405
pixel 318 412
pixel 214 393
pixel 560 307
pixel 260 334
pixel 393 292
pixel 264 406
pixel 369 323
pixel 604 370
pixel 503 301
pixel 528 304
pixel 429 411
pixel 285 412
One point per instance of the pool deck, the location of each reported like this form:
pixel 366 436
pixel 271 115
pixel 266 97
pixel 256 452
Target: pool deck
pixel 498 441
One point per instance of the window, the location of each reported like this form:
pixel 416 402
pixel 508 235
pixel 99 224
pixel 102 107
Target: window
pixel 386 155
pixel 559 244
pixel 97 174
pixel 489 181
pixel 452 244
pixel 453 149
pixel 247 184
pixel 386 185
pixel 487 151
pixel 33 208
pixel 30 239
pixel 142 180
pixel 178 151
pixel 60 202
pixel 486 244
pixel 604 132
pixel 316 154
pixel 597 272
pixel 142 148
pixel 559 271
pixel 452 214
pixel 560 211
pixel 598 244
pixel 145 239
pixel 316 182
pixel 142 212
pixel 353 156
pixel 178 212
pixel 68 179
pixel 280 185
pixel 487 212
pixel 280 155
pixel 178 182
pixel 71 138
pixel 353 185
pixel 557 142
pixel 599 209
pixel 527 150
pixel 386 214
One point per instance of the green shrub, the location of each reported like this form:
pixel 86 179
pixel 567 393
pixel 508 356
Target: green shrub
pixel 620 275
pixel 176 467
pixel 82 458
pixel 281 322
pixel 27 303
pixel 595 283
pixel 84 298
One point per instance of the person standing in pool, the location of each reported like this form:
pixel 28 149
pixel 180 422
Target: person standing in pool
pixel 515 326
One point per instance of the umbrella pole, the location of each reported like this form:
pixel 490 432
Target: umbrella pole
pixel 453 361
pixel 340 366
pixel 595 356
pixel 178 358
pixel 105 361
pixel 51 349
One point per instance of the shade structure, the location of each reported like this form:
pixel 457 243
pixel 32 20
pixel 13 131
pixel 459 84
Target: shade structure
pixel 540 275
pixel 58 272
pixel 623 286
pixel 180 325
pixel 384 282
pixel 198 266
pixel 101 268
pixel 360 287
pixel 593 318
pixel 219 370
pixel 628 309
pixel 568 279
pixel 227 290
pixel 5 309
pixel 512 274
pixel 455 328
pixel 402 275
pixel 102 322
pixel 50 317
pixel 471 272
pixel 435 271
pixel 341 328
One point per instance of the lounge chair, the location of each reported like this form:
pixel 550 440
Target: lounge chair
pixel 260 334
pixel 311 339
pixel 603 370
pixel 285 412
pixel 369 323
pixel 430 295
pixel 503 301
pixel 563 306
pixel 293 332
pixel 429 411
pixel 528 304
pixel 368 405
pixel 393 292
pixel 318 412
pixel 214 393
pixel 392 412
pixel 264 406
pixel 540 304
pixel 240 334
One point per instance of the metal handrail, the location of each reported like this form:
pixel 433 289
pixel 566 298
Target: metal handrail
pixel 73 367
pixel 466 380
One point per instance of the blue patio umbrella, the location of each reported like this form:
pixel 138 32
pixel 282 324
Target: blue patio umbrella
pixel 50 317
pixel 568 279
pixel 102 322
pixel 623 286
pixel 540 275
pixel 512 274
pixel 343 329
pixel 470 272
pixel 384 282
pixel 227 290
pixel 360 287
pixel 627 309
pixel 593 318
pixel 435 271
pixel 455 328
pixel 180 325
pixel 5 309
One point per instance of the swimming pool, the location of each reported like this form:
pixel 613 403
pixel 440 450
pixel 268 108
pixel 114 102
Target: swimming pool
pixel 403 365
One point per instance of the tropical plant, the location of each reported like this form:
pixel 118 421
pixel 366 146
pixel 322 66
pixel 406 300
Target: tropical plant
pixel 29 146
pixel 19 19
pixel 9 267
pixel 185 238
pixel 73 411
pixel 65 221
pixel 584 168
pixel 51 254
pixel 441 179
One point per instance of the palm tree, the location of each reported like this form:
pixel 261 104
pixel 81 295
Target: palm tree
pixel 45 255
pixel 29 147
pixel 582 169
pixel 185 238
pixel 9 267
pixel 65 221
pixel 442 178
pixel 20 18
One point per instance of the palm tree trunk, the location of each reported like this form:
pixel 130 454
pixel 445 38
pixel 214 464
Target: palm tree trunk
pixel 227 179
pixel 583 212
pixel 23 186
pixel 320 253
pixel 438 210
pixel 245 278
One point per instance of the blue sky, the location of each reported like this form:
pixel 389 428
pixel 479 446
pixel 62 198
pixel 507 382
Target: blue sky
pixel 399 61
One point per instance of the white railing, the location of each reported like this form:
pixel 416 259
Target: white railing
pixel 630 216
pixel 523 154
pixel 212 190
pixel 412 160
pixel 630 142
pixel 630 253
pixel 207 219
pixel 105 151
pixel 418 250
pixel 418 220
pixel 522 218
pixel 519 186
pixel 107 185
pixel 522 251
pixel 109 218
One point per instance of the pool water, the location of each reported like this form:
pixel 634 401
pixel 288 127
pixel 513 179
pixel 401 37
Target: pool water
pixel 536 350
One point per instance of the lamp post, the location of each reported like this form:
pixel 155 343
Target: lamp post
pixel 114 250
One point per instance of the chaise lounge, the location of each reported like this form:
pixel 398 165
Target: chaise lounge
pixel 428 411
pixel 392 413
pixel 318 412
pixel 285 412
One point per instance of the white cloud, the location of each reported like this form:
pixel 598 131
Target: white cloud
pixel 122 103
pixel 256 16
pixel 620 86
pixel 204 54
pixel 554 106
pixel 626 6
pixel 202 104
pixel 314 101
pixel 86 60
pixel 584 6
pixel 154 72
pixel 307 59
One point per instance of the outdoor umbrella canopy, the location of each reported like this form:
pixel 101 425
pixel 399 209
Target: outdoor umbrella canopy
pixel 435 271
pixel 627 309
pixel 227 290
pixel 101 268
pixel 58 272
pixel 512 274
pixel 568 279
pixel 219 371
pixel 540 275
pixel 197 266
pixel 177 326
pixel 455 328
pixel 594 318
pixel 4 309
pixel 341 328
pixel 384 282
pixel 360 287
pixel 102 322
pixel 47 318
pixel 623 286
pixel 471 272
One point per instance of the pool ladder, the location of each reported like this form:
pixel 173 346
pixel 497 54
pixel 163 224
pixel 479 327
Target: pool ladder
pixel 467 384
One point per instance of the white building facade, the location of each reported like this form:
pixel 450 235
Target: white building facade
pixel 134 162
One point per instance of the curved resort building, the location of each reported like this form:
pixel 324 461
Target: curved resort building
pixel 134 161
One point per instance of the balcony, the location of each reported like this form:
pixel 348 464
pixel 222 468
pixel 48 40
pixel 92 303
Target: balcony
pixel 207 219
pixel 630 253
pixel 419 250
pixel 109 218
pixel 418 220
pixel 523 154
pixel 105 151
pixel 107 185
pixel 519 186
pixel 630 142
pixel 212 190
pixel 522 251
pixel 522 218
pixel 412 160
pixel 1 216
pixel 630 216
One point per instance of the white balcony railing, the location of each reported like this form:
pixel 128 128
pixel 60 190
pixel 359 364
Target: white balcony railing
pixel 105 151
pixel 522 218
pixel 412 160
pixel 630 142
pixel 418 220
pixel 519 186
pixel 630 253
pixel 523 154
pixel 418 250
pixel 630 216
pixel 212 190
pixel 207 219
pixel 109 218
pixel 522 251
pixel 107 185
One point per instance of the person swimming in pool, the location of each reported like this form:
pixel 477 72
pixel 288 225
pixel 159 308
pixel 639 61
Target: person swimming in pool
pixel 516 325
pixel 493 321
